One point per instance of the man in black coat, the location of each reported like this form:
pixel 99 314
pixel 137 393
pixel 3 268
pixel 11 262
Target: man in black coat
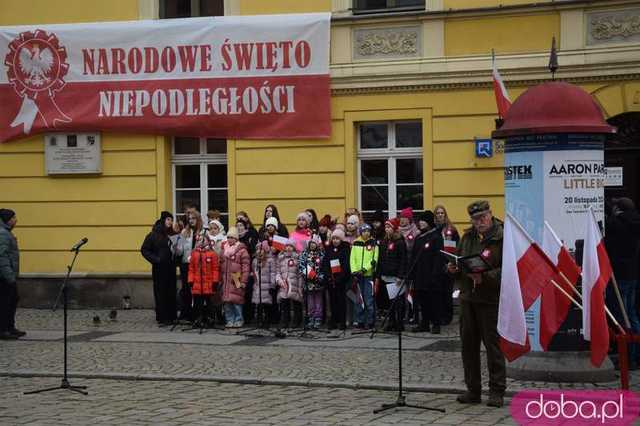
pixel 157 249
pixel 622 240
pixel 9 271
pixel 428 273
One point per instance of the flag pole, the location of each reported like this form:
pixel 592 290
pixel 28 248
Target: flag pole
pixel 616 289
pixel 575 290
pixel 579 305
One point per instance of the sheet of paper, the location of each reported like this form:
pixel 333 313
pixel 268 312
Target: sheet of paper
pixel 393 290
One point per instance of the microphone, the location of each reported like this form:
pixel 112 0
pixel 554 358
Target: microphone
pixel 79 244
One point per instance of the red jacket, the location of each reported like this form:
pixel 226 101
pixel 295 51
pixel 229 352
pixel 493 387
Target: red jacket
pixel 204 271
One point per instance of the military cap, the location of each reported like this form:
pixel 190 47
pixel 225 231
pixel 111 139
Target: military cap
pixel 478 207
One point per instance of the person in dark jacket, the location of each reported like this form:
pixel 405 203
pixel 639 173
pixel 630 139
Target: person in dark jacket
pixel 378 223
pixel 337 273
pixel 392 268
pixel 428 274
pixel 479 297
pixel 622 240
pixel 272 211
pixel 249 237
pixel 158 250
pixel 9 271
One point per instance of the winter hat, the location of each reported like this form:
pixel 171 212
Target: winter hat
pixel 217 223
pixel 233 233
pixel 338 233
pixel 428 216
pixel 304 215
pixel 315 239
pixel 164 215
pixel 291 242
pixel 6 215
pixel 407 213
pixel 378 216
pixel 353 219
pixel 394 223
pixel 271 221
pixel 364 227
pixel 325 221
pixel 625 204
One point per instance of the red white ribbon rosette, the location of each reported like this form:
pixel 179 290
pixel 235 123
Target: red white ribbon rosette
pixel 36 65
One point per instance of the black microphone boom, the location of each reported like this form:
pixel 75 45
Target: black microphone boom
pixel 79 244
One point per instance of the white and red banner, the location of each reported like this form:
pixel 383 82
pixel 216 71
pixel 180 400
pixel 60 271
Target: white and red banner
pixel 596 273
pixel 224 77
pixel 554 305
pixel 526 272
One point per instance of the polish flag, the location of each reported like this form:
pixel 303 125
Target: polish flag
pixel 279 243
pixel 526 271
pixel 554 306
pixel 502 97
pixel 450 246
pixel 335 266
pixel 596 273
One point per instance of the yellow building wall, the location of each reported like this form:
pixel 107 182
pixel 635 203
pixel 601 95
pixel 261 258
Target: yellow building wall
pixel 474 4
pixel 114 210
pixel 505 34
pixel 261 7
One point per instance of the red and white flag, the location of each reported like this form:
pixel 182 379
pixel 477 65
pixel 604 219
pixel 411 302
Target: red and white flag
pixel 278 242
pixel 335 266
pixel 526 270
pixel 502 97
pixel 450 246
pixel 554 306
pixel 596 272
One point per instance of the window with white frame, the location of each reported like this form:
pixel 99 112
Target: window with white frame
pixel 385 6
pixel 390 167
pixel 200 175
pixel 190 8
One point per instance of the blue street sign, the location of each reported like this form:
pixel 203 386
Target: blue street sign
pixel 484 148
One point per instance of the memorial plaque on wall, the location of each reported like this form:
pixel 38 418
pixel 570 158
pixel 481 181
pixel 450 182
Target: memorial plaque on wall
pixel 72 153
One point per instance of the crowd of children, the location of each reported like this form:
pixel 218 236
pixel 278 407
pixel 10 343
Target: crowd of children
pixel 341 272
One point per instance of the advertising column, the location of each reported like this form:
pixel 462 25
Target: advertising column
pixel 555 178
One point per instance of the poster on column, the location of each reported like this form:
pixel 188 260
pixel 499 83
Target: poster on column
pixel 248 77
pixel 554 178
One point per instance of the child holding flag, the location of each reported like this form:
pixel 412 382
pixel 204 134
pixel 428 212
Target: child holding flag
pixel 337 273
pixel 309 267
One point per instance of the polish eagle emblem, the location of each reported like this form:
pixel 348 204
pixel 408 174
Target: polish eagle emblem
pixel 36 64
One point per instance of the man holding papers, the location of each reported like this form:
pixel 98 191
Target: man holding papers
pixel 479 297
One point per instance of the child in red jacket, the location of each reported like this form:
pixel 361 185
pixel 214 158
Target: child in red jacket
pixel 203 276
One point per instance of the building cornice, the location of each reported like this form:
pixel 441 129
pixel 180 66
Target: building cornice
pixel 487 82
pixel 346 18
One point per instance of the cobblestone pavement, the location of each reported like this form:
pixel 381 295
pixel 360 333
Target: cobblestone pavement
pixel 205 403
pixel 138 363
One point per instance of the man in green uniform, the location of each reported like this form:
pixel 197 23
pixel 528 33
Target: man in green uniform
pixel 479 296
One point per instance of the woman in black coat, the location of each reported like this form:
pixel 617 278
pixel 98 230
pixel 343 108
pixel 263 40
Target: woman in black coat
pixel 428 273
pixel 157 249
pixel 272 211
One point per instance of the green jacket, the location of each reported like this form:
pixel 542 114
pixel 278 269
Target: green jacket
pixel 364 257
pixel 488 291
pixel 9 255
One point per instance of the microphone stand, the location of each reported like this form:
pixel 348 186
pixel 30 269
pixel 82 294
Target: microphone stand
pixel 401 400
pixel 64 384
